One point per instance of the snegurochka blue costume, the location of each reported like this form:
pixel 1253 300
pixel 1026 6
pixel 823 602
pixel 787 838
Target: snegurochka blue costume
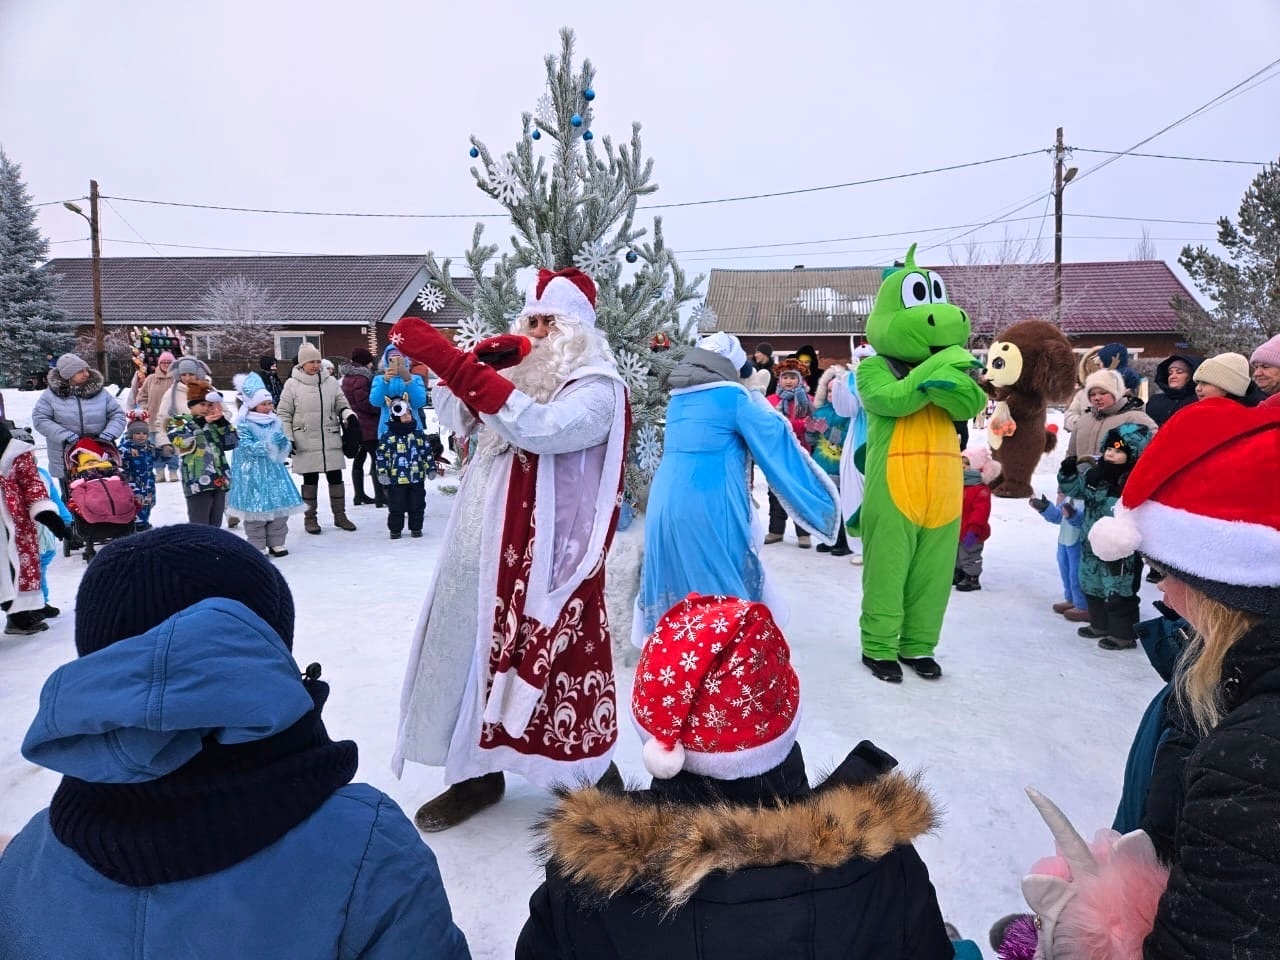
pixel 701 531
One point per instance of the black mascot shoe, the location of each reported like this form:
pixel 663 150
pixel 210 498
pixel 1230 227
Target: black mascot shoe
pixel 886 670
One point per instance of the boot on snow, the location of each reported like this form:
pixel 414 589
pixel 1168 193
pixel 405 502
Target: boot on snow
pixel 925 667
pixel 338 504
pixel 460 802
pixel 886 670
pixel 968 584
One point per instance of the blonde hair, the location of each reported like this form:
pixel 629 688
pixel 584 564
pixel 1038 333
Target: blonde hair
pixel 1199 673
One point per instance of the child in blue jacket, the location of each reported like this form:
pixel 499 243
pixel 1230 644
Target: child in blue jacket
pixel 49 543
pixel 403 460
pixel 139 455
pixel 1068 515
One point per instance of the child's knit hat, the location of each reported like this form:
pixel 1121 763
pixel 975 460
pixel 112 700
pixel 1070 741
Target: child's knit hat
pixel 715 693
pixel 1227 371
pixel 1105 379
pixel 137 428
pixel 1204 502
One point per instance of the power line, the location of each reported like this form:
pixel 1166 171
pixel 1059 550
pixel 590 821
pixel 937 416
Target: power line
pixel 53 203
pixel 656 206
pixel 851 183
pixel 1207 105
pixel 1169 156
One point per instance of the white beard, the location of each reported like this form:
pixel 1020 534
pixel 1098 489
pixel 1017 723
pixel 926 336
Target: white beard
pixel 554 360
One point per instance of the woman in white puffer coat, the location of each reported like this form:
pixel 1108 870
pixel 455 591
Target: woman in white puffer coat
pixel 314 413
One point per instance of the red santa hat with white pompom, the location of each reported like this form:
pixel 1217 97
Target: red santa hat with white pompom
pixel 1204 501
pixel 715 693
pixel 568 293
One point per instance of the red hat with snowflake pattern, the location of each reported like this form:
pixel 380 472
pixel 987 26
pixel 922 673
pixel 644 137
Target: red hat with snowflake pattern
pixel 715 693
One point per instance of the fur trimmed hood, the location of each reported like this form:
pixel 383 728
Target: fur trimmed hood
pixel 63 388
pixel 610 842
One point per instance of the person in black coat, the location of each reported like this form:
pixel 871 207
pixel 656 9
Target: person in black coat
pixel 730 853
pixel 1215 551
pixel 1176 387
pixel 271 377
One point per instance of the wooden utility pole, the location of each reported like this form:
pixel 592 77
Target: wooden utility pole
pixel 96 241
pixel 1058 151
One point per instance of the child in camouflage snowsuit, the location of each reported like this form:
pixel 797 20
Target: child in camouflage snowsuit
pixel 1110 587
pixel 403 458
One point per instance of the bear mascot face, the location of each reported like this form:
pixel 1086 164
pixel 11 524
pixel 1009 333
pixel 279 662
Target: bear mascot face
pixel 1029 365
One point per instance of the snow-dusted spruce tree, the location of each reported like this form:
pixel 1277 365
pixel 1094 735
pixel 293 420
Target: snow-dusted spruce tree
pixel 572 204
pixel 31 325
pixel 1244 286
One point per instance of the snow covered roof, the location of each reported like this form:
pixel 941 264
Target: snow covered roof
pixel 1122 297
pixel 362 290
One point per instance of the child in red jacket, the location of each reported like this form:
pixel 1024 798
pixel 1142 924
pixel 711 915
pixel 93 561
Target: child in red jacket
pixel 975 517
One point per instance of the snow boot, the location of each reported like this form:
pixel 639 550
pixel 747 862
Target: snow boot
pixel 773 538
pixel 309 521
pixel 1062 606
pixel 803 541
pixel 48 613
pixel 160 477
pixel 886 670
pixel 232 521
pixel 277 552
pixel 460 802
pixel 175 475
pixel 1090 632
pixel 338 504
pixel 1117 643
pixel 25 623
pixel 956 576
pixel 968 584
pixel 925 667
pixel 1076 615
pixel 823 548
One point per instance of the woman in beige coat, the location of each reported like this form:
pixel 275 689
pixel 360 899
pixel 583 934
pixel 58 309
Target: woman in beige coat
pixel 314 412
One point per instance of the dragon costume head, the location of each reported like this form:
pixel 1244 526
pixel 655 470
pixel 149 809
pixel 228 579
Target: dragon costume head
pixel 912 318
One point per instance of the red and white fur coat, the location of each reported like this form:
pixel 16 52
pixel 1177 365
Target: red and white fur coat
pixel 22 496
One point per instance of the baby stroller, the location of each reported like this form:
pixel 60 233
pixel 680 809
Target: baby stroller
pixel 100 499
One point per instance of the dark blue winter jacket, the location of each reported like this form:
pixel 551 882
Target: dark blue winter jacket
pixel 1163 639
pixel 353 880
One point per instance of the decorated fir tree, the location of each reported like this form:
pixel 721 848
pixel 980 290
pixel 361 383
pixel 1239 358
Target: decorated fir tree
pixel 31 325
pixel 572 200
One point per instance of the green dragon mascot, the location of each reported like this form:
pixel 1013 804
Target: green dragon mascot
pixel 912 390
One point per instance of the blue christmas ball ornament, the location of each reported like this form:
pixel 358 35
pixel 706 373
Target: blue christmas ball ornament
pixel 537 134
pixel 474 153
pixel 576 120
pixel 588 94
pixel 632 256
pixel 587 135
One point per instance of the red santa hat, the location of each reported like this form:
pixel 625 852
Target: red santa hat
pixel 562 293
pixel 1203 501
pixel 714 692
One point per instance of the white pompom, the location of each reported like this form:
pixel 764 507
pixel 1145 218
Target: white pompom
pixel 663 763
pixel 1114 538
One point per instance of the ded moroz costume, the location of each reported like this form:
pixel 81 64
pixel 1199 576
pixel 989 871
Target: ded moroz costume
pixel 511 665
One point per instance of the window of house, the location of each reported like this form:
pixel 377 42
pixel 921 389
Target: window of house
pixel 289 342
pixel 202 345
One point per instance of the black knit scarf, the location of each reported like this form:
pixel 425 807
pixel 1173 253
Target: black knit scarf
pixel 220 808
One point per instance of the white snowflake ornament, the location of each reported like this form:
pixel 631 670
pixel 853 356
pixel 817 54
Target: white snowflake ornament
pixel 545 112
pixel 505 181
pixel 648 449
pixel 470 332
pixel 632 369
pixel 704 318
pixel 432 298
pixel 593 258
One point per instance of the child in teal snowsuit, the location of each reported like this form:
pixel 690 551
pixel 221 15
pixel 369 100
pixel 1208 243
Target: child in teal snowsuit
pixel 1110 587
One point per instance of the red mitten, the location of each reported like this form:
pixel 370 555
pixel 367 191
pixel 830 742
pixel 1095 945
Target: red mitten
pixel 502 351
pixel 478 386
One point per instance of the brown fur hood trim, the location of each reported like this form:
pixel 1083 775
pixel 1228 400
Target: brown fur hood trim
pixel 610 841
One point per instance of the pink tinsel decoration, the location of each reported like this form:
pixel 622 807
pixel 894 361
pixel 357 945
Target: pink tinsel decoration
pixel 1020 939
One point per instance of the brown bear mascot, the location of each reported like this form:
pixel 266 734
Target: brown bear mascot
pixel 1029 366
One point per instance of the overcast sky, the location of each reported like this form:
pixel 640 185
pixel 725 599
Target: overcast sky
pixel 368 106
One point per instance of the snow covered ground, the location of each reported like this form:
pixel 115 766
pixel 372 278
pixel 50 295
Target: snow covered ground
pixel 1024 702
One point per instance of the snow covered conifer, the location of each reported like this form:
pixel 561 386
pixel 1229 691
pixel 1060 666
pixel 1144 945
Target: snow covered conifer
pixel 31 325
pixel 572 201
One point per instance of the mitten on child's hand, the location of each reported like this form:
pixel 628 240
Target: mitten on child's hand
pixel 1068 510
pixel 1040 503
pixel 53 523
pixel 969 540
